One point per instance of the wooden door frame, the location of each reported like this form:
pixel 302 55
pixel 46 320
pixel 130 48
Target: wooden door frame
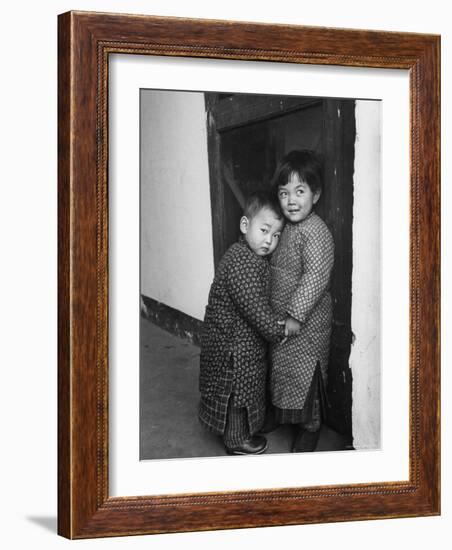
pixel 338 145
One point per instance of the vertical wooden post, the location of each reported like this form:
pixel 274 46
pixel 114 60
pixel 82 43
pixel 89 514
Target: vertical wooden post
pixel 338 148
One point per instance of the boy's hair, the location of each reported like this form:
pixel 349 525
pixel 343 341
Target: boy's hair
pixel 306 164
pixel 257 201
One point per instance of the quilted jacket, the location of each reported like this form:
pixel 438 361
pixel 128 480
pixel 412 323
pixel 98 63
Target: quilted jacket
pixel 238 324
pixel 300 277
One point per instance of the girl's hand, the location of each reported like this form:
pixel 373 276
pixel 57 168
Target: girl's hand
pixel 292 326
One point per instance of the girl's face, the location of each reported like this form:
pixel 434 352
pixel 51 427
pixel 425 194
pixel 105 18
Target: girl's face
pixel 296 199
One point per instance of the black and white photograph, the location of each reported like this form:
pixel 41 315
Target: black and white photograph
pixel 260 269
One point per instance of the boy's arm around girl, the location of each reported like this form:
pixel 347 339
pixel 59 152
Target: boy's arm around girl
pixel 249 289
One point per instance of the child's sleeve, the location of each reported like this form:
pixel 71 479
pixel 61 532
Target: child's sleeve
pixel 249 292
pixel 318 257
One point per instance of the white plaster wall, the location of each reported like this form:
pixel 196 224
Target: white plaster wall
pixel 366 292
pixel 176 231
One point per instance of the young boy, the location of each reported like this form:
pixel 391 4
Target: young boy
pixel 237 324
pixel 301 270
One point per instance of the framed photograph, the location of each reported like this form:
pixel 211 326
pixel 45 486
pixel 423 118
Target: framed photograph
pixel 248 275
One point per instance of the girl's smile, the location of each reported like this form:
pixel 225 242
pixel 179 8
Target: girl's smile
pixel 296 199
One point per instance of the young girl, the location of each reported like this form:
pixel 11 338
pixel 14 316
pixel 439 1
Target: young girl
pixel 300 276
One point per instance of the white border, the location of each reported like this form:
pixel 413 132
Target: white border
pixel 130 477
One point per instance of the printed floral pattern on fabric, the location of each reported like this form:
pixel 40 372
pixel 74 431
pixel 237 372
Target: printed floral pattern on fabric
pixel 237 324
pixel 301 268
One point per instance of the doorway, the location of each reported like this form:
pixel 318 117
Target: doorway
pixel 248 134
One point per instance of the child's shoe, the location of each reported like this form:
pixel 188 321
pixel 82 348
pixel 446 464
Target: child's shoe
pixel 254 446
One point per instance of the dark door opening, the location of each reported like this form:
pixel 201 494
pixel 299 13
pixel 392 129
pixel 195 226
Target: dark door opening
pixel 248 135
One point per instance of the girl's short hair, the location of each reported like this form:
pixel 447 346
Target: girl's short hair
pixel 306 164
pixel 261 199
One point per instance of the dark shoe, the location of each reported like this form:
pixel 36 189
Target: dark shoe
pixel 270 424
pixel 305 441
pixel 254 446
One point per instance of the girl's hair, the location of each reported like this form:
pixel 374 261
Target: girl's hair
pixel 259 200
pixel 306 164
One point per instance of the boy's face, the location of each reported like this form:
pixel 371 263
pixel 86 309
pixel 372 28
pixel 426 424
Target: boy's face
pixel 262 232
pixel 296 199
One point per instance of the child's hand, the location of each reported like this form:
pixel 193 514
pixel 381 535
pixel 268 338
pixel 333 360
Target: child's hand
pixel 285 335
pixel 292 326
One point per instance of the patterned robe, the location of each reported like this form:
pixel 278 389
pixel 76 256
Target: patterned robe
pixel 237 325
pixel 300 275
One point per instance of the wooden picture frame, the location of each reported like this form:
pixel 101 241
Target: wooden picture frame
pixel 85 42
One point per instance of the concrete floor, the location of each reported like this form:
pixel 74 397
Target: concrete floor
pixel 169 400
